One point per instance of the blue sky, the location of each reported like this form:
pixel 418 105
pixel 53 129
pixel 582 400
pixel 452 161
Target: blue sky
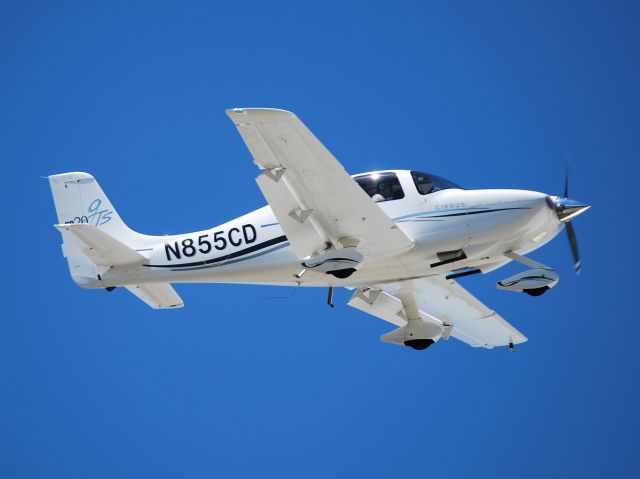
pixel 249 381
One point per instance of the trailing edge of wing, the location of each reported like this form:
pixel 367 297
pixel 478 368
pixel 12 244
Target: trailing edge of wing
pixel 100 247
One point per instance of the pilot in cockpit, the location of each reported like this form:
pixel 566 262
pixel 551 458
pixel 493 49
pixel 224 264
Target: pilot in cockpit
pixel 384 192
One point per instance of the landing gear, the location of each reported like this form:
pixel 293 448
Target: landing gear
pixel 342 273
pixel 536 291
pixel 330 297
pixel 419 344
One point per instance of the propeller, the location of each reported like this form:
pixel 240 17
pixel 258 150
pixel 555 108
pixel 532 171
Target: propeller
pixel 567 209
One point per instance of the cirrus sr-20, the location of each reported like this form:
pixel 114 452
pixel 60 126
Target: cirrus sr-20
pixel 397 238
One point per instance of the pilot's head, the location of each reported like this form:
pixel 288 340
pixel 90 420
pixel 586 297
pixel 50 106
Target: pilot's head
pixel 384 188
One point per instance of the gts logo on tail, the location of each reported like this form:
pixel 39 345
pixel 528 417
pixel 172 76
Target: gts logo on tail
pixel 94 215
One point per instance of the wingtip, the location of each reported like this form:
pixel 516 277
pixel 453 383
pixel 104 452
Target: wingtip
pixel 260 114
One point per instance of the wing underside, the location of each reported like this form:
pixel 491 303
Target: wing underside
pixel 446 303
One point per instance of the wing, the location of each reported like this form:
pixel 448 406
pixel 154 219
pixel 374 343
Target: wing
pixel 446 302
pixel 314 199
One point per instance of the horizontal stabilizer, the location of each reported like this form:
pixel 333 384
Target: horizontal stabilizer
pixel 157 295
pixel 100 247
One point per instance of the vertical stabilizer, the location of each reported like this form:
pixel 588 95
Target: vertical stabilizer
pixel 79 199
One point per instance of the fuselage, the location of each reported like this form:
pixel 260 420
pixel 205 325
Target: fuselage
pixel 484 224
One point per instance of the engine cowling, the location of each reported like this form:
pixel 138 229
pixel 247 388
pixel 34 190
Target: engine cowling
pixel 416 334
pixel 533 281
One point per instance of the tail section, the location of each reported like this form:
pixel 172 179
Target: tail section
pixel 100 249
pixel 79 199
pixel 157 295
pixel 89 225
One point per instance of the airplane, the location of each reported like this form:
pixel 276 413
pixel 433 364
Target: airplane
pixel 397 238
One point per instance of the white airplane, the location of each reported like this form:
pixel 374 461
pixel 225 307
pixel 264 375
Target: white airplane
pixel 397 238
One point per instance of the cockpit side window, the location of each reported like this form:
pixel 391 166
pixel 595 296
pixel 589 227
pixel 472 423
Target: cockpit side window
pixel 422 182
pixel 381 186
pixel 427 183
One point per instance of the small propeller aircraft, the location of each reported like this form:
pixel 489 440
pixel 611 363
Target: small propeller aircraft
pixel 397 238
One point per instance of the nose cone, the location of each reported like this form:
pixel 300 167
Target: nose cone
pixel 567 209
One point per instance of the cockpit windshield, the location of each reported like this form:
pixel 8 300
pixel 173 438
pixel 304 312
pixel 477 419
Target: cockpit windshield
pixel 427 183
pixel 381 186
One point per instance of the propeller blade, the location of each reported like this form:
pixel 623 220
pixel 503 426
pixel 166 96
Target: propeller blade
pixel 566 180
pixel 573 242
